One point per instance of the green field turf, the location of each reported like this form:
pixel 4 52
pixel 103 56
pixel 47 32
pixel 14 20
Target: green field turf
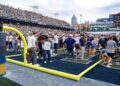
pixel 7 82
pixel 114 63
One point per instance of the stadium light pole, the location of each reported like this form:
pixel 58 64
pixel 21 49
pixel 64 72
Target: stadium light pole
pixel 34 7
pixel 55 14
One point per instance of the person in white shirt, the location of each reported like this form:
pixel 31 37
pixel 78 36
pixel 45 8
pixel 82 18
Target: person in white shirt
pixel 20 45
pixel 10 37
pixel 31 40
pixel 77 44
pixel 83 43
pixel 15 42
pixel 56 44
pixel 111 48
pixel 63 40
pixel 7 41
pixel 46 50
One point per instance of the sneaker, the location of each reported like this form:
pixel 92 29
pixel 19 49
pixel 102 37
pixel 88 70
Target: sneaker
pixel 82 58
pixel 72 59
pixel 41 57
pixel 104 63
pixel 53 54
pixel 45 62
pixel 36 64
pixel 50 61
pixel 30 63
pixel 56 54
pixel 77 56
pixel 37 57
pixel 108 66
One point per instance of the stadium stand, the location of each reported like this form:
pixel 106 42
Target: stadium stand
pixel 12 14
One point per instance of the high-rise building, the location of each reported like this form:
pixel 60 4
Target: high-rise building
pixel 74 20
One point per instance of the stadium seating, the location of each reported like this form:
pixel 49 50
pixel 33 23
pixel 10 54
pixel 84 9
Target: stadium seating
pixel 29 16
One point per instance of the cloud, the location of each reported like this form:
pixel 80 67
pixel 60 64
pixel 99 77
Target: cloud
pixel 94 3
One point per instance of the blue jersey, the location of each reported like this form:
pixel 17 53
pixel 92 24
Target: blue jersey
pixel 70 41
pixel 89 41
pixel 82 43
pixel 119 44
pixel 103 51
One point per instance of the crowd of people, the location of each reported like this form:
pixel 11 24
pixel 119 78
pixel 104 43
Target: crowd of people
pixel 47 41
pixel 76 45
pixel 29 16
pixel 27 28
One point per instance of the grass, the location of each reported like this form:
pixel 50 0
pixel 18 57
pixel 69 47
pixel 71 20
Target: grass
pixel 116 66
pixel 75 60
pixel 63 51
pixel 114 63
pixel 86 57
pixel 7 82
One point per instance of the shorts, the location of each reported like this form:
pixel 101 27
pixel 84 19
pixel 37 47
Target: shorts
pixel 77 46
pixel 104 54
pixel 111 55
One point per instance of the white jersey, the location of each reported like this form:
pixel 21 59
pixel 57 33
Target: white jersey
pixel 77 40
pixel 31 41
pixel 34 41
pixel 52 42
pixel 56 39
pixel 63 39
pixel 10 38
pixel 7 38
pixel 18 43
pixel 22 45
pixel 47 45
pixel 111 46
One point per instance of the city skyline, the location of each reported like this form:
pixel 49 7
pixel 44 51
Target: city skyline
pixel 90 9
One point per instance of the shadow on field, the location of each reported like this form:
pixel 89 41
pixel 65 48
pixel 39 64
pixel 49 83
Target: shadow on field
pixel 8 82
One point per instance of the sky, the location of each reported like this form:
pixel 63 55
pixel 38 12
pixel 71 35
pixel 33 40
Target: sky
pixel 89 9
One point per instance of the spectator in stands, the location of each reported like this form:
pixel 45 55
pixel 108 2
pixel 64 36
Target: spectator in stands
pixel 29 16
